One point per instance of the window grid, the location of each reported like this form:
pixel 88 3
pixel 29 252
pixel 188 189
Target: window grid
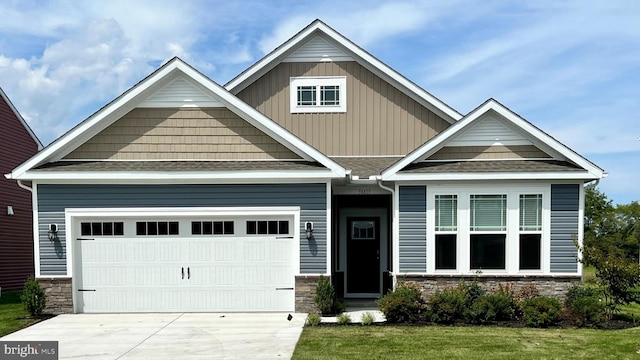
pixel 330 95
pixel 488 213
pixel 102 228
pixel 268 227
pixel 212 228
pixel 446 212
pixel 306 95
pixel 157 228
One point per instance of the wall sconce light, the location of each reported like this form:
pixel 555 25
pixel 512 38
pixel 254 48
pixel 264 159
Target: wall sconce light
pixel 10 210
pixel 308 229
pixel 53 232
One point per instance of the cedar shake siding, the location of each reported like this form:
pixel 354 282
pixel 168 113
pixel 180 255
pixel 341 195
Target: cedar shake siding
pixel 495 152
pixel 181 134
pixel 380 119
pixel 16 231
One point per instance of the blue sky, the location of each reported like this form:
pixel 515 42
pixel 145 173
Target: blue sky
pixel 571 68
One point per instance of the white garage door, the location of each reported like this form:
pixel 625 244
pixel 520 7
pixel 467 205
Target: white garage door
pixel 169 265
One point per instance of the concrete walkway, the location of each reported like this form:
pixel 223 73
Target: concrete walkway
pixel 169 336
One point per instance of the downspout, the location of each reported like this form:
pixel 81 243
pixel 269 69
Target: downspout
pixel 393 197
pixel 24 186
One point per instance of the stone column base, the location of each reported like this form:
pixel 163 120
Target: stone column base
pixel 305 291
pixel 59 295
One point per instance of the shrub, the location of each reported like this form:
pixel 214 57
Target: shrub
pixel 33 297
pixel 344 319
pixel 472 292
pixel 313 319
pixel 541 311
pixel 504 304
pixel 367 318
pixel 446 306
pixel 481 311
pixel 325 296
pixel 586 306
pixel 403 305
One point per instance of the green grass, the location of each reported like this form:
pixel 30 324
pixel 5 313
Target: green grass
pixel 13 317
pixel 465 342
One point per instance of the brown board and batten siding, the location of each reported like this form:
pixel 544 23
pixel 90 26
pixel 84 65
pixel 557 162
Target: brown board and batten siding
pixel 16 231
pixel 380 119
pixel 181 134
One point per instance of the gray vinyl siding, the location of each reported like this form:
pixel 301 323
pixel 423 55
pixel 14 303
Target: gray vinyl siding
pixel 565 205
pixel 53 199
pixel 413 228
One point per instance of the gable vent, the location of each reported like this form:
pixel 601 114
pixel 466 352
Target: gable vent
pixel 488 132
pixel 318 49
pixel 180 93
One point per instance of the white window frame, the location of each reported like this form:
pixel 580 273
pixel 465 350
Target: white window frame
pixel 453 231
pixel 512 245
pixel 540 232
pixel 317 83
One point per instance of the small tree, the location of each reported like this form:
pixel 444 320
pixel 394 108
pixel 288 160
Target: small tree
pixel 617 276
pixel 33 297
pixel 325 297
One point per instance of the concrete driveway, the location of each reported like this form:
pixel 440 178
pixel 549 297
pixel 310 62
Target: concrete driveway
pixel 169 336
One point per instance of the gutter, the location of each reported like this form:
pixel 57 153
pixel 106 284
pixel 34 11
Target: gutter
pixel 20 184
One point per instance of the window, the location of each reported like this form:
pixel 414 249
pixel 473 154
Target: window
pixel 212 228
pixel 267 227
pixel 363 230
pixel 446 207
pixel 316 95
pixel 153 228
pixel 530 231
pixel 488 226
pixel 102 228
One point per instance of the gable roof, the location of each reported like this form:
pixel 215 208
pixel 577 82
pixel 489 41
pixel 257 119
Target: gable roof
pixel 319 28
pixel 412 168
pixel 20 118
pixel 144 90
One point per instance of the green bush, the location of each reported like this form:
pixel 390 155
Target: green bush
pixel 33 297
pixel 403 305
pixel 541 311
pixel 481 311
pixel 367 318
pixel 313 319
pixel 585 305
pixel 325 296
pixel 344 319
pixel 504 305
pixel 446 306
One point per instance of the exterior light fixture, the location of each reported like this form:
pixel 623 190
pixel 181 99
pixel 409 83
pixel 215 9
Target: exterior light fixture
pixel 308 229
pixel 10 210
pixel 53 232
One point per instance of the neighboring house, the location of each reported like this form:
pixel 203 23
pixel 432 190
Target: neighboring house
pixel 183 195
pixel 16 215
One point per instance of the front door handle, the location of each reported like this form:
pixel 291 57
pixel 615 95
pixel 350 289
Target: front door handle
pixel 182 273
pixel 188 273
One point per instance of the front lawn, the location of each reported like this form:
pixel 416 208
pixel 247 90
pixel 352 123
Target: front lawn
pixel 465 342
pixel 13 316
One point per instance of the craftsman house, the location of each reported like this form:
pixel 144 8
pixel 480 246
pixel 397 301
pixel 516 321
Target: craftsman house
pixel 184 195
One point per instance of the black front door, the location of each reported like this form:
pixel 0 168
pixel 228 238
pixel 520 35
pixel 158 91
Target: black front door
pixel 363 255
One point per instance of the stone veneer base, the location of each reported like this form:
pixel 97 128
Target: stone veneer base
pixel 305 291
pixel 59 295
pixel 555 286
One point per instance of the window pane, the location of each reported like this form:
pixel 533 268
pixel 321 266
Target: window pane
pixel 488 212
pixel 263 227
pixel 487 251
pixel 446 212
pixel 207 228
pixel 85 229
pixel 118 228
pixel 174 228
pixel 530 251
pixel 196 228
pixel 329 95
pixel 251 227
pixel 107 228
pixel 306 95
pixel 531 212
pixel 163 228
pixel 273 227
pixel 141 228
pixel 96 229
pixel 228 227
pixel 283 227
pixel 217 228
pixel 152 228
pixel 446 252
pixel 363 230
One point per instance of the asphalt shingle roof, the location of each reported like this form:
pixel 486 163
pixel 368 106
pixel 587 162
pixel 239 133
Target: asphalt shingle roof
pixel 492 166
pixel 169 166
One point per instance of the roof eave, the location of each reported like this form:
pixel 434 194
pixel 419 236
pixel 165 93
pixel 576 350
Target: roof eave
pixel 563 175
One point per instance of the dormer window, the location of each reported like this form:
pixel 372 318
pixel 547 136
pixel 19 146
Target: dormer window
pixel 319 94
